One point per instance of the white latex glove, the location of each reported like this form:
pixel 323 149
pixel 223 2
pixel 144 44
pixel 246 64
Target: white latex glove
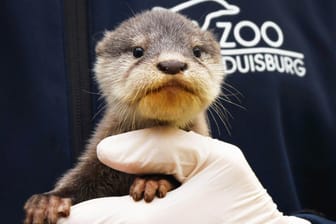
pixel 218 185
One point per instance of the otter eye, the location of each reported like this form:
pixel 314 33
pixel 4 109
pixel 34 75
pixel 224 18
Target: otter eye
pixel 197 52
pixel 138 52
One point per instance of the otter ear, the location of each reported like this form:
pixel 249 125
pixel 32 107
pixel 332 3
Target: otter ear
pixel 101 45
pixel 196 24
pixel 213 47
pixel 210 35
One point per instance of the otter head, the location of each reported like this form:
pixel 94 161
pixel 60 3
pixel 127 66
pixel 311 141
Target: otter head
pixel 159 66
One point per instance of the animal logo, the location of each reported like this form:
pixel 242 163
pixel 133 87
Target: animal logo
pixel 224 10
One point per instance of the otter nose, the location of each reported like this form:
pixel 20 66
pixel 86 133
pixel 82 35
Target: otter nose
pixel 172 67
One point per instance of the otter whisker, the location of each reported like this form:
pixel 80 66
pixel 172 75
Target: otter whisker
pixel 233 91
pixel 219 105
pixel 222 115
pixel 102 106
pixel 130 8
pixel 233 88
pixel 228 100
pixel 228 92
pixel 214 119
pixel 92 93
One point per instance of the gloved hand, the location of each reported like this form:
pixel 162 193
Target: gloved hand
pixel 218 185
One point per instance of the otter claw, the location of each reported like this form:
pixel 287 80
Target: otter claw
pixel 148 187
pixel 47 208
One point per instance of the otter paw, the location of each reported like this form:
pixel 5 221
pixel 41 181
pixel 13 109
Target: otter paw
pixel 45 208
pixel 147 187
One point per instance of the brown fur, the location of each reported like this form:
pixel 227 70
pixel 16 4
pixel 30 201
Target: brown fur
pixel 138 96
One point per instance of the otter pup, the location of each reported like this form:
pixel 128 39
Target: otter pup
pixel 157 68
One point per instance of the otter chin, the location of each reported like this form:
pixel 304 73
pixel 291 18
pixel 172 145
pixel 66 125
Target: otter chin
pixel 172 103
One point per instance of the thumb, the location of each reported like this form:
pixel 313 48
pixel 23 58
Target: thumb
pixel 155 150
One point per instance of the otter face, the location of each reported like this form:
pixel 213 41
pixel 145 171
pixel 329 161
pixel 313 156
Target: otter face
pixel 160 66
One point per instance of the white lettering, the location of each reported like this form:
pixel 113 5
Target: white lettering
pixel 240 40
pixel 279 64
pixel 299 68
pixel 260 62
pixel 269 24
pixel 240 64
pixel 226 31
pixel 230 65
pixel 289 65
pixel 252 63
pixel 269 62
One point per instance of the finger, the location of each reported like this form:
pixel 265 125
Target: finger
pixel 163 150
pixel 146 153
